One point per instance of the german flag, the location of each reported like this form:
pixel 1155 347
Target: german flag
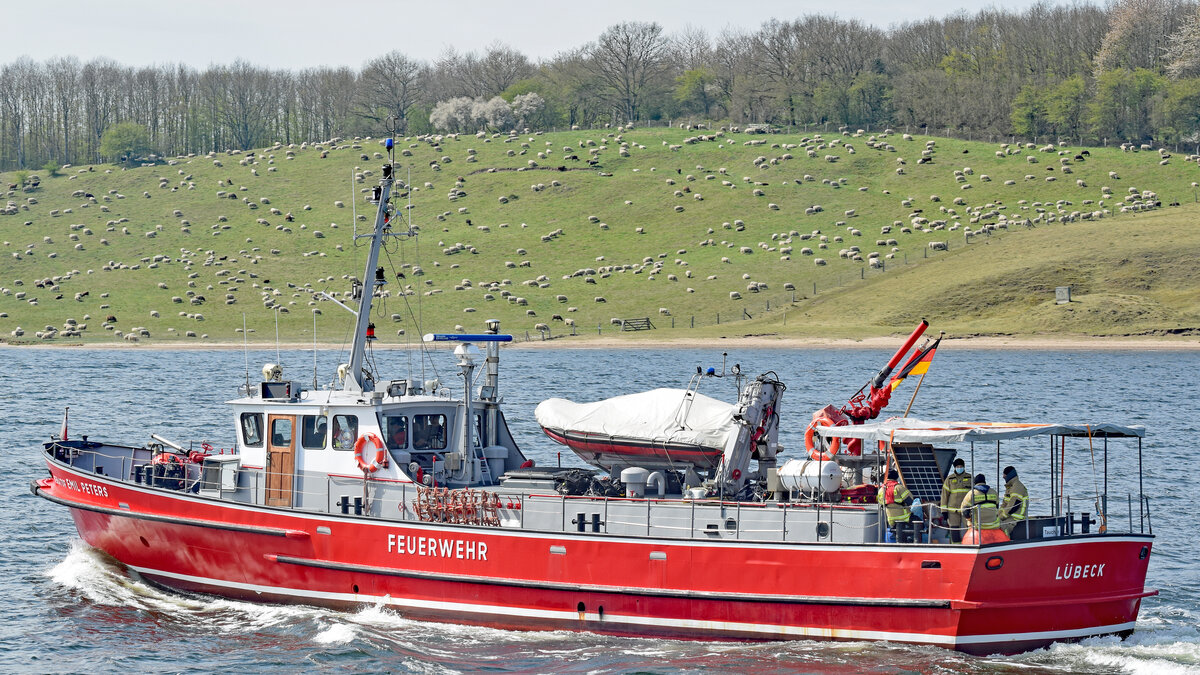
pixel 917 365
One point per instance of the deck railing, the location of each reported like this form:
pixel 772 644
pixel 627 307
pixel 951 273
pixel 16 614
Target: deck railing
pixel 377 502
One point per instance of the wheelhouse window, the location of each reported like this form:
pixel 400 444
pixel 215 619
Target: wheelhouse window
pixel 345 432
pixel 395 429
pixel 252 427
pixel 281 432
pixel 429 432
pixel 313 430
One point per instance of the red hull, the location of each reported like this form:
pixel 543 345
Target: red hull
pixel 1039 592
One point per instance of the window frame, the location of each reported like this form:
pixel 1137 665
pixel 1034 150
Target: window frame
pixel 445 440
pixel 291 426
pixel 338 420
pixel 304 432
pixel 260 428
pixel 386 425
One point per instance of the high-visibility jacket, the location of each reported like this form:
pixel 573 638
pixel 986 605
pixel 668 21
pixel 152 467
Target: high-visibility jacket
pixel 954 489
pixel 894 506
pixel 982 508
pixel 1016 500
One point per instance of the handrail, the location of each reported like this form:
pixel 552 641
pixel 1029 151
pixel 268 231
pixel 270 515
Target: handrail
pixel 394 501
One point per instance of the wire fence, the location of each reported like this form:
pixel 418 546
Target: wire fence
pixel 923 129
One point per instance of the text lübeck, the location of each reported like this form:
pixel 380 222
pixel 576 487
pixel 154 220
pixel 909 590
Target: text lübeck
pixel 1064 572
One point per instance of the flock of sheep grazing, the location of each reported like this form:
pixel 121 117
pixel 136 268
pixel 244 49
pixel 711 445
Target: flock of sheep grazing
pixel 780 179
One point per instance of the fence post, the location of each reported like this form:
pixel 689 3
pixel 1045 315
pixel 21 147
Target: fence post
pixel 693 321
pixel 718 318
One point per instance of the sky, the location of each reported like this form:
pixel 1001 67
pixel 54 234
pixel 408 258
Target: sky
pixel 300 34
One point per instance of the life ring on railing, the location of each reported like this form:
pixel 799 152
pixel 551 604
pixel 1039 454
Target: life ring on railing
pixel 810 443
pixel 380 454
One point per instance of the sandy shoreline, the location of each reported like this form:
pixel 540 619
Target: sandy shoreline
pixel 752 342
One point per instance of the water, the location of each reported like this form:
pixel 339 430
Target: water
pixel 69 609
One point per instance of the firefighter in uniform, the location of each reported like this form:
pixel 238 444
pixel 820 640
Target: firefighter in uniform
pixel 1016 501
pixel 981 507
pixel 895 499
pixel 954 490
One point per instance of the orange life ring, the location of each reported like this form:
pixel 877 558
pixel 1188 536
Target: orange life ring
pixel 380 454
pixel 827 454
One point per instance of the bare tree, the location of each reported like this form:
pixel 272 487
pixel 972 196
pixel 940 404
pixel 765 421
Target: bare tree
pixel 628 58
pixel 735 74
pixel 500 67
pixel 779 46
pixel 247 102
pixel 64 81
pixel 391 85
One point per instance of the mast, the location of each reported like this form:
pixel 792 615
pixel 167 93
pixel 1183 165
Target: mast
pixel 356 379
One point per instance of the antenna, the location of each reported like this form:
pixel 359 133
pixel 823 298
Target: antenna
pixel 353 210
pixel 246 352
pixel 277 335
pixel 314 350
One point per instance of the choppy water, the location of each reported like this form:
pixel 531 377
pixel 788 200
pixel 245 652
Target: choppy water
pixel 68 609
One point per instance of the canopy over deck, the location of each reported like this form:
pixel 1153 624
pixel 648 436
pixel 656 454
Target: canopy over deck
pixel 912 430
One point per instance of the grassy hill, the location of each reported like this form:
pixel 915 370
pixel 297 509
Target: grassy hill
pixel 686 228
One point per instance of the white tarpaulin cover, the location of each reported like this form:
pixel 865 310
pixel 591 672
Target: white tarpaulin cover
pixel 912 430
pixel 663 415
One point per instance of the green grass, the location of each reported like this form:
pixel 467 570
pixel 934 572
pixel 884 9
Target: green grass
pixel 1131 273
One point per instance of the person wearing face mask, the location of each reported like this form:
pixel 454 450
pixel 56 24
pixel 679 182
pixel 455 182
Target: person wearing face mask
pixel 896 500
pixel 1016 501
pixel 954 489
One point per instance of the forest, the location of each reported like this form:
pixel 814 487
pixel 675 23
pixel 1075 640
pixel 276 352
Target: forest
pixel 1082 73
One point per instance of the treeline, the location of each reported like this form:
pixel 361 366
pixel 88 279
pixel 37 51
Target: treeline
pixel 1126 72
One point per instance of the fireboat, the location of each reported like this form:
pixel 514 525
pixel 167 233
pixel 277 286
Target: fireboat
pixel 682 521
